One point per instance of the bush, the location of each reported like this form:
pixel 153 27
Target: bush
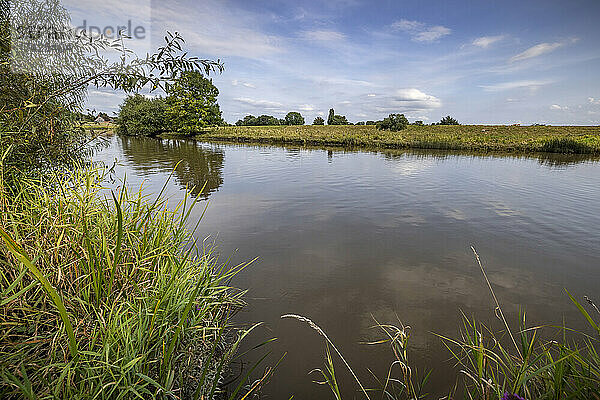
pixel 100 299
pixel 141 116
pixel 319 121
pixel 261 120
pixel 394 122
pixel 370 123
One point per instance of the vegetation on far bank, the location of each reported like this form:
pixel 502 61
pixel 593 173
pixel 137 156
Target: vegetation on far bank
pixel 554 139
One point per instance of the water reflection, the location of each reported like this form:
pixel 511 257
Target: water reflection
pixel 199 165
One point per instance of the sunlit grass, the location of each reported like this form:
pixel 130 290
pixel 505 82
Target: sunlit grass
pixel 558 139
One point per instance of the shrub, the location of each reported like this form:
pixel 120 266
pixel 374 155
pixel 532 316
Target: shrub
pixel 394 122
pixel 319 121
pixel 100 299
pixel 141 116
pixel 370 123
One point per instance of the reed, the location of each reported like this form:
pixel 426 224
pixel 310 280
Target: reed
pixel 106 295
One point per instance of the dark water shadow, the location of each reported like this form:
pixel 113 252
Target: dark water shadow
pixel 198 165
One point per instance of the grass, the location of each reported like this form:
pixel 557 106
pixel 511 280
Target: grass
pixel 513 364
pixel 106 295
pixel 556 139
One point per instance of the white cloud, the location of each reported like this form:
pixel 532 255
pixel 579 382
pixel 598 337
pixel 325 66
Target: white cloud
pixel 415 99
pixel 341 81
pixel 225 31
pixel 530 84
pixel 105 94
pixel 259 103
pixel 592 100
pixel 540 49
pixel 432 34
pixel 236 82
pixel 323 36
pixel 371 95
pixel 486 41
pixel 306 107
pixel 421 32
pixel 406 25
pixel 558 107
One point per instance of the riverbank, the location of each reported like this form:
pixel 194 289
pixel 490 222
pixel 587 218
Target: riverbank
pixel 503 138
pixel 100 300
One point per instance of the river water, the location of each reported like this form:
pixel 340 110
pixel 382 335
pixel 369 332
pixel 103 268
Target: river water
pixel 349 237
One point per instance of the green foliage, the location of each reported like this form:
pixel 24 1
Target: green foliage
pixel 294 118
pixel 192 103
pixel 330 116
pixel 122 311
pixel 319 121
pixel 360 123
pixel 419 123
pixel 339 120
pixel 266 120
pixel 448 120
pixel 142 116
pixel 370 123
pixel 394 123
pixel 334 119
pixel 261 120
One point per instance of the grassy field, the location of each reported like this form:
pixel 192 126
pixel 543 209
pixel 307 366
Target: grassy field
pixel 554 139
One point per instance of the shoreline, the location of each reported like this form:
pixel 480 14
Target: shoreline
pixel 483 138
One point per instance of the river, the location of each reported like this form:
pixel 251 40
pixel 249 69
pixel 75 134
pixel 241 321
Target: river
pixel 349 237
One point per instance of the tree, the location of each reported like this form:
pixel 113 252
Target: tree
pixel 192 103
pixel 420 123
pixel 319 121
pixel 330 117
pixel 448 120
pixel 141 116
pixel 249 120
pixel 370 123
pixel 394 122
pixel 339 120
pixel 294 118
pixel 266 120
pixel 360 123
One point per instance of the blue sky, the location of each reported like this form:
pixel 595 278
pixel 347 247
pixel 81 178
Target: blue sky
pixel 481 61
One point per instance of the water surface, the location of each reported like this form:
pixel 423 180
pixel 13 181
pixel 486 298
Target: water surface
pixel 346 237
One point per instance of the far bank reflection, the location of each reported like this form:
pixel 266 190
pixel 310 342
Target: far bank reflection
pixel 198 165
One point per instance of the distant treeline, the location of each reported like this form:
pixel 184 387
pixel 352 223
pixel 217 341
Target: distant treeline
pixel 393 122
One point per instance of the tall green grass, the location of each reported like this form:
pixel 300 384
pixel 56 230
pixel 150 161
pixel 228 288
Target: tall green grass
pixel 106 295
